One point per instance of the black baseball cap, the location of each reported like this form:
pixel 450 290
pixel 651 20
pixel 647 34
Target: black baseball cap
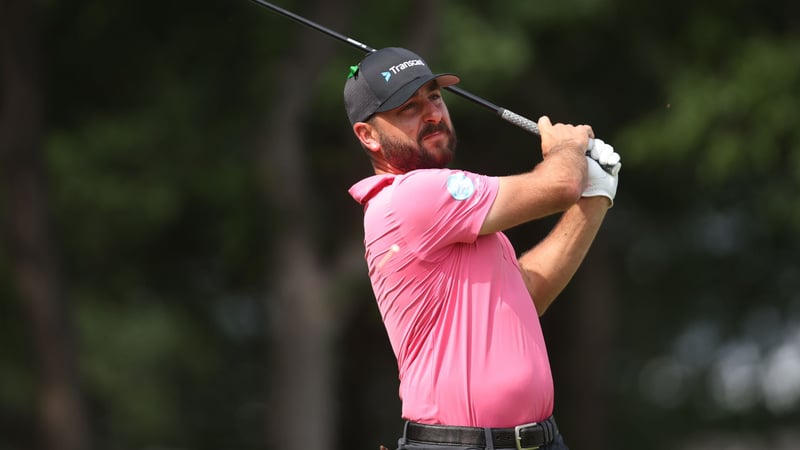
pixel 385 79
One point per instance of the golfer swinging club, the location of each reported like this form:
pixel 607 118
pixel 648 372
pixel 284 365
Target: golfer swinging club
pixel 461 311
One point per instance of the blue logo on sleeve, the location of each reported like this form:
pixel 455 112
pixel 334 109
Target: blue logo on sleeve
pixel 459 186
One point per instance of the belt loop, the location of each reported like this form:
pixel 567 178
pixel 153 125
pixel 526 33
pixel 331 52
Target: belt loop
pixel 487 432
pixel 549 429
pixel 403 440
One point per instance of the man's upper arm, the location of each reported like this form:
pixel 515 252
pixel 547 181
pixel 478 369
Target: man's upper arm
pixel 442 207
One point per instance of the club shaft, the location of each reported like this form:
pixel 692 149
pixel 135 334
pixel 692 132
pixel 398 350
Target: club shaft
pixel 511 117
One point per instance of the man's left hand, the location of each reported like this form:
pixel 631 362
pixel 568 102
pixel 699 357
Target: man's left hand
pixel 602 182
pixel 605 155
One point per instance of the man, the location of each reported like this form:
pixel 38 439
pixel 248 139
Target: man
pixel 461 311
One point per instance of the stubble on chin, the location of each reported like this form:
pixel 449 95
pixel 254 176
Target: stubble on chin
pixel 408 155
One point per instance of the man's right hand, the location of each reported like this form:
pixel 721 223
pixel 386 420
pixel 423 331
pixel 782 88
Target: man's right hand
pixel 558 136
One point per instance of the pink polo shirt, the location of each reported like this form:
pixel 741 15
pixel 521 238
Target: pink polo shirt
pixel 463 327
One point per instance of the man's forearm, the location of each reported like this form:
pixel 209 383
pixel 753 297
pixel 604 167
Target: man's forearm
pixel 551 187
pixel 550 265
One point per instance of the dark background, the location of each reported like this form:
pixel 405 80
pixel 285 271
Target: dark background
pixel 182 267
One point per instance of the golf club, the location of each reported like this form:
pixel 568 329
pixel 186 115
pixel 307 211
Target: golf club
pixel 509 116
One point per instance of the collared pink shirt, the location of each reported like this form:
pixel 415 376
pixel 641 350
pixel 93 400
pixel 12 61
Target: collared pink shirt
pixel 460 320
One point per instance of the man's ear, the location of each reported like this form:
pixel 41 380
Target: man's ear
pixel 368 136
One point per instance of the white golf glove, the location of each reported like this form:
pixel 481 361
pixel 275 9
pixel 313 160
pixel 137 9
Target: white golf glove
pixel 604 154
pixel 602 182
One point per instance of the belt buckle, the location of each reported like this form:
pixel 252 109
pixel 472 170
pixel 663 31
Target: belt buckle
pixel 518 438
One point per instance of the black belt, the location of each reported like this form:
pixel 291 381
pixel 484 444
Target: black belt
pixel 523 437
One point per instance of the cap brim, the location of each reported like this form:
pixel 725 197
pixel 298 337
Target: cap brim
pixel 405 92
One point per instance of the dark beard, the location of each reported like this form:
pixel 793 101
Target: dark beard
pixel 406 156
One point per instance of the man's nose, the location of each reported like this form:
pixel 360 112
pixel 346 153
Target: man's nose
pixel 433 112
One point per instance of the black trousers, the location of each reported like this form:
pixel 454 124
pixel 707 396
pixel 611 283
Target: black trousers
pixel 404 444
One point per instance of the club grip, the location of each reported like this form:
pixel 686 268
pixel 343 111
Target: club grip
pixel 532 127
pixel 522 122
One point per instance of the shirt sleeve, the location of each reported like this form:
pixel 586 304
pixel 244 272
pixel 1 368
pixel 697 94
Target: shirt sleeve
pixel 437 208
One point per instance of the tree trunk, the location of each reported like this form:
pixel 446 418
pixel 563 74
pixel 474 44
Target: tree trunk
pixel 578 334
pixel 27 231
pixel 304 322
